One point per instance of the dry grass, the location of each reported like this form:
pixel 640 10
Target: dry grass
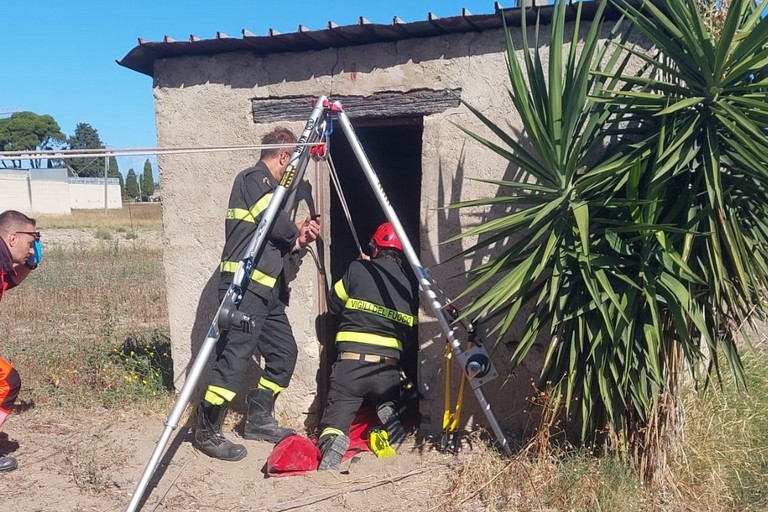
pixel 725 461
pixel 130 216
pixel 90 326
pixel 566 481
pixel 723 465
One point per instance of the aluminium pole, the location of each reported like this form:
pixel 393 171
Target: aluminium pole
pixel 469 364
pixel 228 317
pixel 106 169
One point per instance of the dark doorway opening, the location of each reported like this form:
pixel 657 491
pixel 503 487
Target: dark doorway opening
pixel 393 147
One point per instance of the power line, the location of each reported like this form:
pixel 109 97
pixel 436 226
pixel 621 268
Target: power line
pixel 60 154
pixel 9 110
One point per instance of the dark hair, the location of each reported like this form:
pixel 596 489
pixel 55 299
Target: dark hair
pixel 390 254
pixel 12 220
pixel 279 135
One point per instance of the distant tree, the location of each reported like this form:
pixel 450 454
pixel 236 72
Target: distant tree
pixel 131 184
pixel 86 137
pixel 114 172
pixel 147 182
pixel 26 131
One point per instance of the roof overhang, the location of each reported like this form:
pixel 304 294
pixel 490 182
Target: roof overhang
pixel 142 57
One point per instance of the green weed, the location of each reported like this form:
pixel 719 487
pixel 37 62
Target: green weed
pixel 145 366
pixel 66 324
pixel 103 234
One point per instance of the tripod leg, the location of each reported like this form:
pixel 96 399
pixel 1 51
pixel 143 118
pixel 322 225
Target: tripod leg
pixel 425 280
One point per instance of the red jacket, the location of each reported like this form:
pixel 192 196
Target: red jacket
pixel 6 268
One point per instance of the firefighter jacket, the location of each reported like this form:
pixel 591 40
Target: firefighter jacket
pixel 251 192
pixel 378 302
pixel 6 268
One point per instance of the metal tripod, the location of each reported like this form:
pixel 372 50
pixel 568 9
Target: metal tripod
pixel 228 316
pixel 475 361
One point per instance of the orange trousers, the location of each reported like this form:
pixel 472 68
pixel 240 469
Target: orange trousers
pixel 10 384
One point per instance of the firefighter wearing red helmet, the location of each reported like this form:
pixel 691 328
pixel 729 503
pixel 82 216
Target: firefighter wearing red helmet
pixel 385 237
pixel 378 303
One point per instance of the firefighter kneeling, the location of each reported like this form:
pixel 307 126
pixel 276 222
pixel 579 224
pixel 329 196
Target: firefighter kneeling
pixel 378 303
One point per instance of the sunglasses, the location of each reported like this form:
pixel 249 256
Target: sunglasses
pixel 35 234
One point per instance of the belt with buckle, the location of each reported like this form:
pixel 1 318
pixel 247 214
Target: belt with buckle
pixel 368 358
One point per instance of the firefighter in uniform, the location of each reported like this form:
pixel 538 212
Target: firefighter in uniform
pixel 264 301
pixel 20 252
pixel 378 302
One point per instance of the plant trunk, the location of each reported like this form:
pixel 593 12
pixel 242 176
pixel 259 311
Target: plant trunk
pixel 653 442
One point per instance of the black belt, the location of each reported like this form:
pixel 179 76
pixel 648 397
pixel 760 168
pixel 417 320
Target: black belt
pixel 367 358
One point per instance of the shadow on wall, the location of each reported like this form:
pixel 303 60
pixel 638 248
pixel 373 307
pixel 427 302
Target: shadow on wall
pixel 207 307
pixel 509 393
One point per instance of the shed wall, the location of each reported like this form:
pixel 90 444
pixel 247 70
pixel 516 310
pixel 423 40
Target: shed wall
pixel 207 101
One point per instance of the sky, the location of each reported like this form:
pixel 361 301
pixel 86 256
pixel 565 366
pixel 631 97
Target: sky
pixel 58 58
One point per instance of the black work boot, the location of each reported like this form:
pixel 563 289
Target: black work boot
pixel 390 420
pixel 333 447
pixel 7 464
pixel 208 437
pixel 261 425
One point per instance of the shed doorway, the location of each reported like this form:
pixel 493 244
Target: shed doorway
pixel 393 147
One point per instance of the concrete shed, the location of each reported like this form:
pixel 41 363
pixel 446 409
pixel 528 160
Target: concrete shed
pixel 399 84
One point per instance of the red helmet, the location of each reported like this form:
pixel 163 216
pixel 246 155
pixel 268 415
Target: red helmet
pixel 385 237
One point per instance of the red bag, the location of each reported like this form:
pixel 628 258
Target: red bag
pixel 294 455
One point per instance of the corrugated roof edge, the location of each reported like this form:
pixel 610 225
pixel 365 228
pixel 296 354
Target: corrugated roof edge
pixel 142 57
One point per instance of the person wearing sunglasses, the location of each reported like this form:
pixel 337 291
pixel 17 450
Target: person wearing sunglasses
pixel 20 253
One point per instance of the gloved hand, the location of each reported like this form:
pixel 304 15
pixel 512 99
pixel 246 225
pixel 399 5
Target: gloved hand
pixel 34 260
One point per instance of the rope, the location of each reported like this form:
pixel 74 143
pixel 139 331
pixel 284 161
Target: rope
pixel 337 186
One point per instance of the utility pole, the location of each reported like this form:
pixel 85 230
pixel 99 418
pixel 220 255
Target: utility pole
pixel 106 188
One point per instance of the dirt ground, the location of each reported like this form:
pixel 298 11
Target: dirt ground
pixel 91 461
pixel 74 460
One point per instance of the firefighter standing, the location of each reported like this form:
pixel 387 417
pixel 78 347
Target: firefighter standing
pixel 264 301
pixel 20 252
pixel 378 302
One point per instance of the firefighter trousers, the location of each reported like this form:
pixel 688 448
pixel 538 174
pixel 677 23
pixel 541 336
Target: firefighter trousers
pixel 272 338
pixel 352 381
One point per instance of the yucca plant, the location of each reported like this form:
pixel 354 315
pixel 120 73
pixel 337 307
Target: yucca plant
pixel 632 255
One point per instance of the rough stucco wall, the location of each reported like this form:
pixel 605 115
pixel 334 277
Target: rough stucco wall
pixel 203 101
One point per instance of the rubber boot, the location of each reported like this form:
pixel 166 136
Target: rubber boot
pixel 7 464
pixel 261 424
pixel 333 447
pixel 208 437
pixel 390 421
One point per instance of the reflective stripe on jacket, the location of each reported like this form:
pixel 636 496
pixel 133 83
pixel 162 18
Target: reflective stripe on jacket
pixel 252 191
pixel 378 303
